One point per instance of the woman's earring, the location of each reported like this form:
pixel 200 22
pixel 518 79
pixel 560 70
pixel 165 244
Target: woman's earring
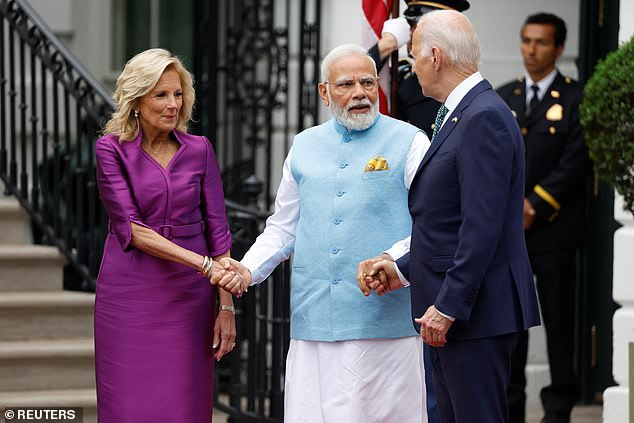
pixel 136 114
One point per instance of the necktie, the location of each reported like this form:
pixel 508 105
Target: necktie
pixel 534 100
pixel 440 117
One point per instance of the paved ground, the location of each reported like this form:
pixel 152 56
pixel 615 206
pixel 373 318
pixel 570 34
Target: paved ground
pixel 580 414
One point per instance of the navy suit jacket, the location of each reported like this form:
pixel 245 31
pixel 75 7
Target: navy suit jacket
pixel 468 256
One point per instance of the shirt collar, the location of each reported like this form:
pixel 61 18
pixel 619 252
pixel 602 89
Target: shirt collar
pixel 455 97
pixel 543 84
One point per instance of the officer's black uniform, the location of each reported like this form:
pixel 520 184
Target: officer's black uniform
pixel 556 168
pixel 412 105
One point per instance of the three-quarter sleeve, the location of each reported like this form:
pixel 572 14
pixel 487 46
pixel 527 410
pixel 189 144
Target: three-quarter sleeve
pixel 115 192
pixel 213 206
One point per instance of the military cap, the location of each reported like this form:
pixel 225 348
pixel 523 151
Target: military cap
pixel 417 8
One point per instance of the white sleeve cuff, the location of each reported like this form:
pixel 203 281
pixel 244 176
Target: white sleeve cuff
pixel 446 316
pixel 399 249
pixel 404 281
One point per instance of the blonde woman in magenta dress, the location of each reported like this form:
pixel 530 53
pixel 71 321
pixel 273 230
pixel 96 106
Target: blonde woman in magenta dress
pixel 157 331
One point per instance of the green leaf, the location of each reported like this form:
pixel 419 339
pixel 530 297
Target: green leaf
pixel 607 118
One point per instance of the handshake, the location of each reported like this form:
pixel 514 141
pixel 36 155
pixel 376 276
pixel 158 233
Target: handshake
pixel 231 275
pixel 378 274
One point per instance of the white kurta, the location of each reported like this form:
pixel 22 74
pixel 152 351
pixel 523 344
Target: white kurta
pixel 358 381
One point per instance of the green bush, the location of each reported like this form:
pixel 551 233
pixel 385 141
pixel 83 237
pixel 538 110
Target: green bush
pixel 607 117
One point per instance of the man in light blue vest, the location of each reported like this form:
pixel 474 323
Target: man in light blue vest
pixel 348 353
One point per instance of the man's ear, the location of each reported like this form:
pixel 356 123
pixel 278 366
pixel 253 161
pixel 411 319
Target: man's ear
pixel 323 93
pixel 436 58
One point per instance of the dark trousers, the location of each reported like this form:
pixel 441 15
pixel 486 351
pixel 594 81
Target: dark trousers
pixel 555 274
pixel 432 406
pixel 470 379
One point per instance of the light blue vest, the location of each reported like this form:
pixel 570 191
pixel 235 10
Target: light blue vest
pixel 348 215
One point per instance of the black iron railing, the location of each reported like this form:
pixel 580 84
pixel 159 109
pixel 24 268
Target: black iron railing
pixel 256 70
pixel 256 65
pixel 50 112
pixel 250 386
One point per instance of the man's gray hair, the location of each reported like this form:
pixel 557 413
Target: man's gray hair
pixel 452 32
pixel 339 52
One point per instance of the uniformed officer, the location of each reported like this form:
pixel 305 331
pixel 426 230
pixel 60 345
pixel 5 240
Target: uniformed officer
pixel 547 108
pixel 412 105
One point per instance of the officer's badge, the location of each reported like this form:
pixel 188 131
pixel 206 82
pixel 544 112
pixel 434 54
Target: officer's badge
pixel 376 163
pixel 555 113
pixel 554 94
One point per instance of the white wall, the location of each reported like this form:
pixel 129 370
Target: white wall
pixel 626 29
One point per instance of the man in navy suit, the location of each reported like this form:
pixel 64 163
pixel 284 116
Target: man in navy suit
pixel 471 281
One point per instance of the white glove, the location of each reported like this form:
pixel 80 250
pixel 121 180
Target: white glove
pixel 399 28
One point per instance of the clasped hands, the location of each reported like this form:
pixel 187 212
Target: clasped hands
pixel 378 274
pixel 231 275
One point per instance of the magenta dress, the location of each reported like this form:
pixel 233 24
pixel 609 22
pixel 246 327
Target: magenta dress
pixel 154 318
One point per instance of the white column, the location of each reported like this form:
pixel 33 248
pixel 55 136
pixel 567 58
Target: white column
pixel 616 399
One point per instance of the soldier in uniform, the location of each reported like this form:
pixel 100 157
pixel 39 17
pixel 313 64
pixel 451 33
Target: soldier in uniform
pixel 546 105
pixel 412 105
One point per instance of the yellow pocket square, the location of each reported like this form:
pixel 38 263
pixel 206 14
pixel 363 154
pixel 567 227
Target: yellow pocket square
pixel 376 163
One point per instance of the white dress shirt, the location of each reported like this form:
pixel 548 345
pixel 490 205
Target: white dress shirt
pixel 542 85
pixel 276 243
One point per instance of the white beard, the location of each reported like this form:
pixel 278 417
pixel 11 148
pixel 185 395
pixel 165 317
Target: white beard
pixel 354 121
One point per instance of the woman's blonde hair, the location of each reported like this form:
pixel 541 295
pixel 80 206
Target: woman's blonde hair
pixel 139 76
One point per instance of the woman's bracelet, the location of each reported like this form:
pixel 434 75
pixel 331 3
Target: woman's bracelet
pixel 207 267
pixel 230 308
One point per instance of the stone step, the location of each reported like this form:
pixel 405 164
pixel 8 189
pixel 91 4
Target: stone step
pixel 15 224
pixel 86 399
pixel 31 268
pixel 46 315
pixel 40 365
